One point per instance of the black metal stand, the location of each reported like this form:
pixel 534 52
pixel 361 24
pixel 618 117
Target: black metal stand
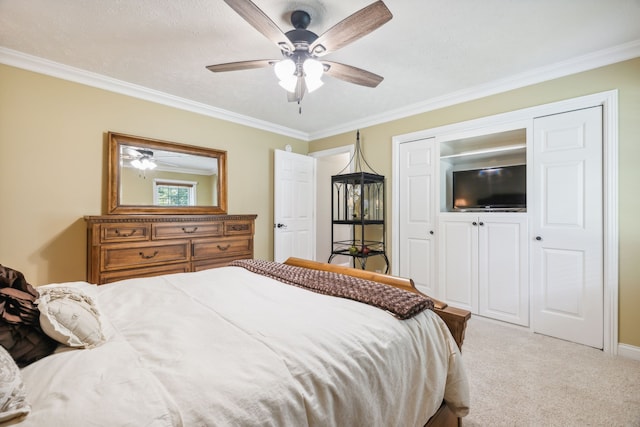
pixel 357 201
pixel 362 259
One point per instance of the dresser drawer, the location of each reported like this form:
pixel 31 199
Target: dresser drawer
pixel 203 249
pixel 187 230
pixel 238 228
pixel 138 255
pixel 126 232
pixel 114 276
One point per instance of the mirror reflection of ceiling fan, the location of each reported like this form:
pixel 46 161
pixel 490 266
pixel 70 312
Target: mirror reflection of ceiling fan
pixel 301 69
pixel 140 158
pixel 145 159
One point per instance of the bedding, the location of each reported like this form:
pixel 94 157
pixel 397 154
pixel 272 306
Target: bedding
pixel 20 332
pixel 400 303
pixel 228 347
pixel 13 397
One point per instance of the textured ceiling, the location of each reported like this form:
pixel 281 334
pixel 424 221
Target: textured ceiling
pixel 430 49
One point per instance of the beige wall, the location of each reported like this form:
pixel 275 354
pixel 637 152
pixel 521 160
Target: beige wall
pixel 53 166
pixel 625 77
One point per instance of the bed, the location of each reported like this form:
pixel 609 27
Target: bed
pixel 228 346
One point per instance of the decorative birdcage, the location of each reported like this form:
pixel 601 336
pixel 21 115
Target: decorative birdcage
pixel 358 202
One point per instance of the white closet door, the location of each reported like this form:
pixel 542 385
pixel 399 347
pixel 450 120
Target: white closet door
pixel 417 214
pixel 567 244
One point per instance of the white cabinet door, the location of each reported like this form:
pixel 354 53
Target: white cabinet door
pixel 417 214
pixel 567 248
pixel 484 264
pixel 503 275
pixel 458 260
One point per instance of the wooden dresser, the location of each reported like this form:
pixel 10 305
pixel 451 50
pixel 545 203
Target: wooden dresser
pixel 125 246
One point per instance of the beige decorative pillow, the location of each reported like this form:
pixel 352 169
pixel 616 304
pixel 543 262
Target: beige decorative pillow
pixel 13 397
pixel 70 317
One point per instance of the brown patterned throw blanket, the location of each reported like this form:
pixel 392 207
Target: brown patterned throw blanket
pixel 400 303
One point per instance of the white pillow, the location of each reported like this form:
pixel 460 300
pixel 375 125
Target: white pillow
pixel 84 287
pixel 13 397
pixel 70 317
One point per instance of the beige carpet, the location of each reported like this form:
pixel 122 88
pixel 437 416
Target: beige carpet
pixel 518 378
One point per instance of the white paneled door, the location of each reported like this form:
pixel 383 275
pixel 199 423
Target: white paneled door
pixel 294 206
pixel 417 213
pixel 567 230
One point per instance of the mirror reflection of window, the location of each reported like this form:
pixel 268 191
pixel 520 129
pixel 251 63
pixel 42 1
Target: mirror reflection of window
pixel 174 193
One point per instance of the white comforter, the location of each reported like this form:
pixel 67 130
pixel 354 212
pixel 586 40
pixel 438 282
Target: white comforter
pixel 226 347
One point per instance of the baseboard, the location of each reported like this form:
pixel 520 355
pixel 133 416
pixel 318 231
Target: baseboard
pixel 629 351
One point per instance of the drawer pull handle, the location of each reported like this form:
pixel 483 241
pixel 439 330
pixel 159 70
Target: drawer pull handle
pixel 189 231
pixel 148 256
pixel 224 248
pixel 243 227
pixel 125 234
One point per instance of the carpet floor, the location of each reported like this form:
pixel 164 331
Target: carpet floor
pixel 518 378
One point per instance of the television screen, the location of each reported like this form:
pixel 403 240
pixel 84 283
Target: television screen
pixel 490 188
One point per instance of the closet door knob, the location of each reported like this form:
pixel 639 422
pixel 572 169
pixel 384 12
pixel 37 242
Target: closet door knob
pixel 431 232
pixel 481 223
pixel 538 238
pixel 474 223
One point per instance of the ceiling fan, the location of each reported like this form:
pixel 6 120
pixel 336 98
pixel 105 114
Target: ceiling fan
pixel 301 69
pixel 139 158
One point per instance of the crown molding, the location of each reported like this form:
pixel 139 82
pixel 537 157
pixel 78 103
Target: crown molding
pixel 564 68
pixel 44 66
pixel 570 66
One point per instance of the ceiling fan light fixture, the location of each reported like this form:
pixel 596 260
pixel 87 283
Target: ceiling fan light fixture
pixel 289 84
pixel 312 84
pixel 285 69
pixel 313 70
pixel 143 163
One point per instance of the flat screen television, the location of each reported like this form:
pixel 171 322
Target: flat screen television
pixel 499 188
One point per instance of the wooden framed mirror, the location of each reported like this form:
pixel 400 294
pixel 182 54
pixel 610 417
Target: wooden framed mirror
pixel 149 176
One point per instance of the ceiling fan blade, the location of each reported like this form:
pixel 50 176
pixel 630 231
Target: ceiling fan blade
pixel 352 74
pixel 351 28
pixel 261 22
pixel 132 152
pixel 242 65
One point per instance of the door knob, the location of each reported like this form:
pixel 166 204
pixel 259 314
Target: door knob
pixel 481 223
pixel 279 225
pixel 538 238
pixel 474 223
